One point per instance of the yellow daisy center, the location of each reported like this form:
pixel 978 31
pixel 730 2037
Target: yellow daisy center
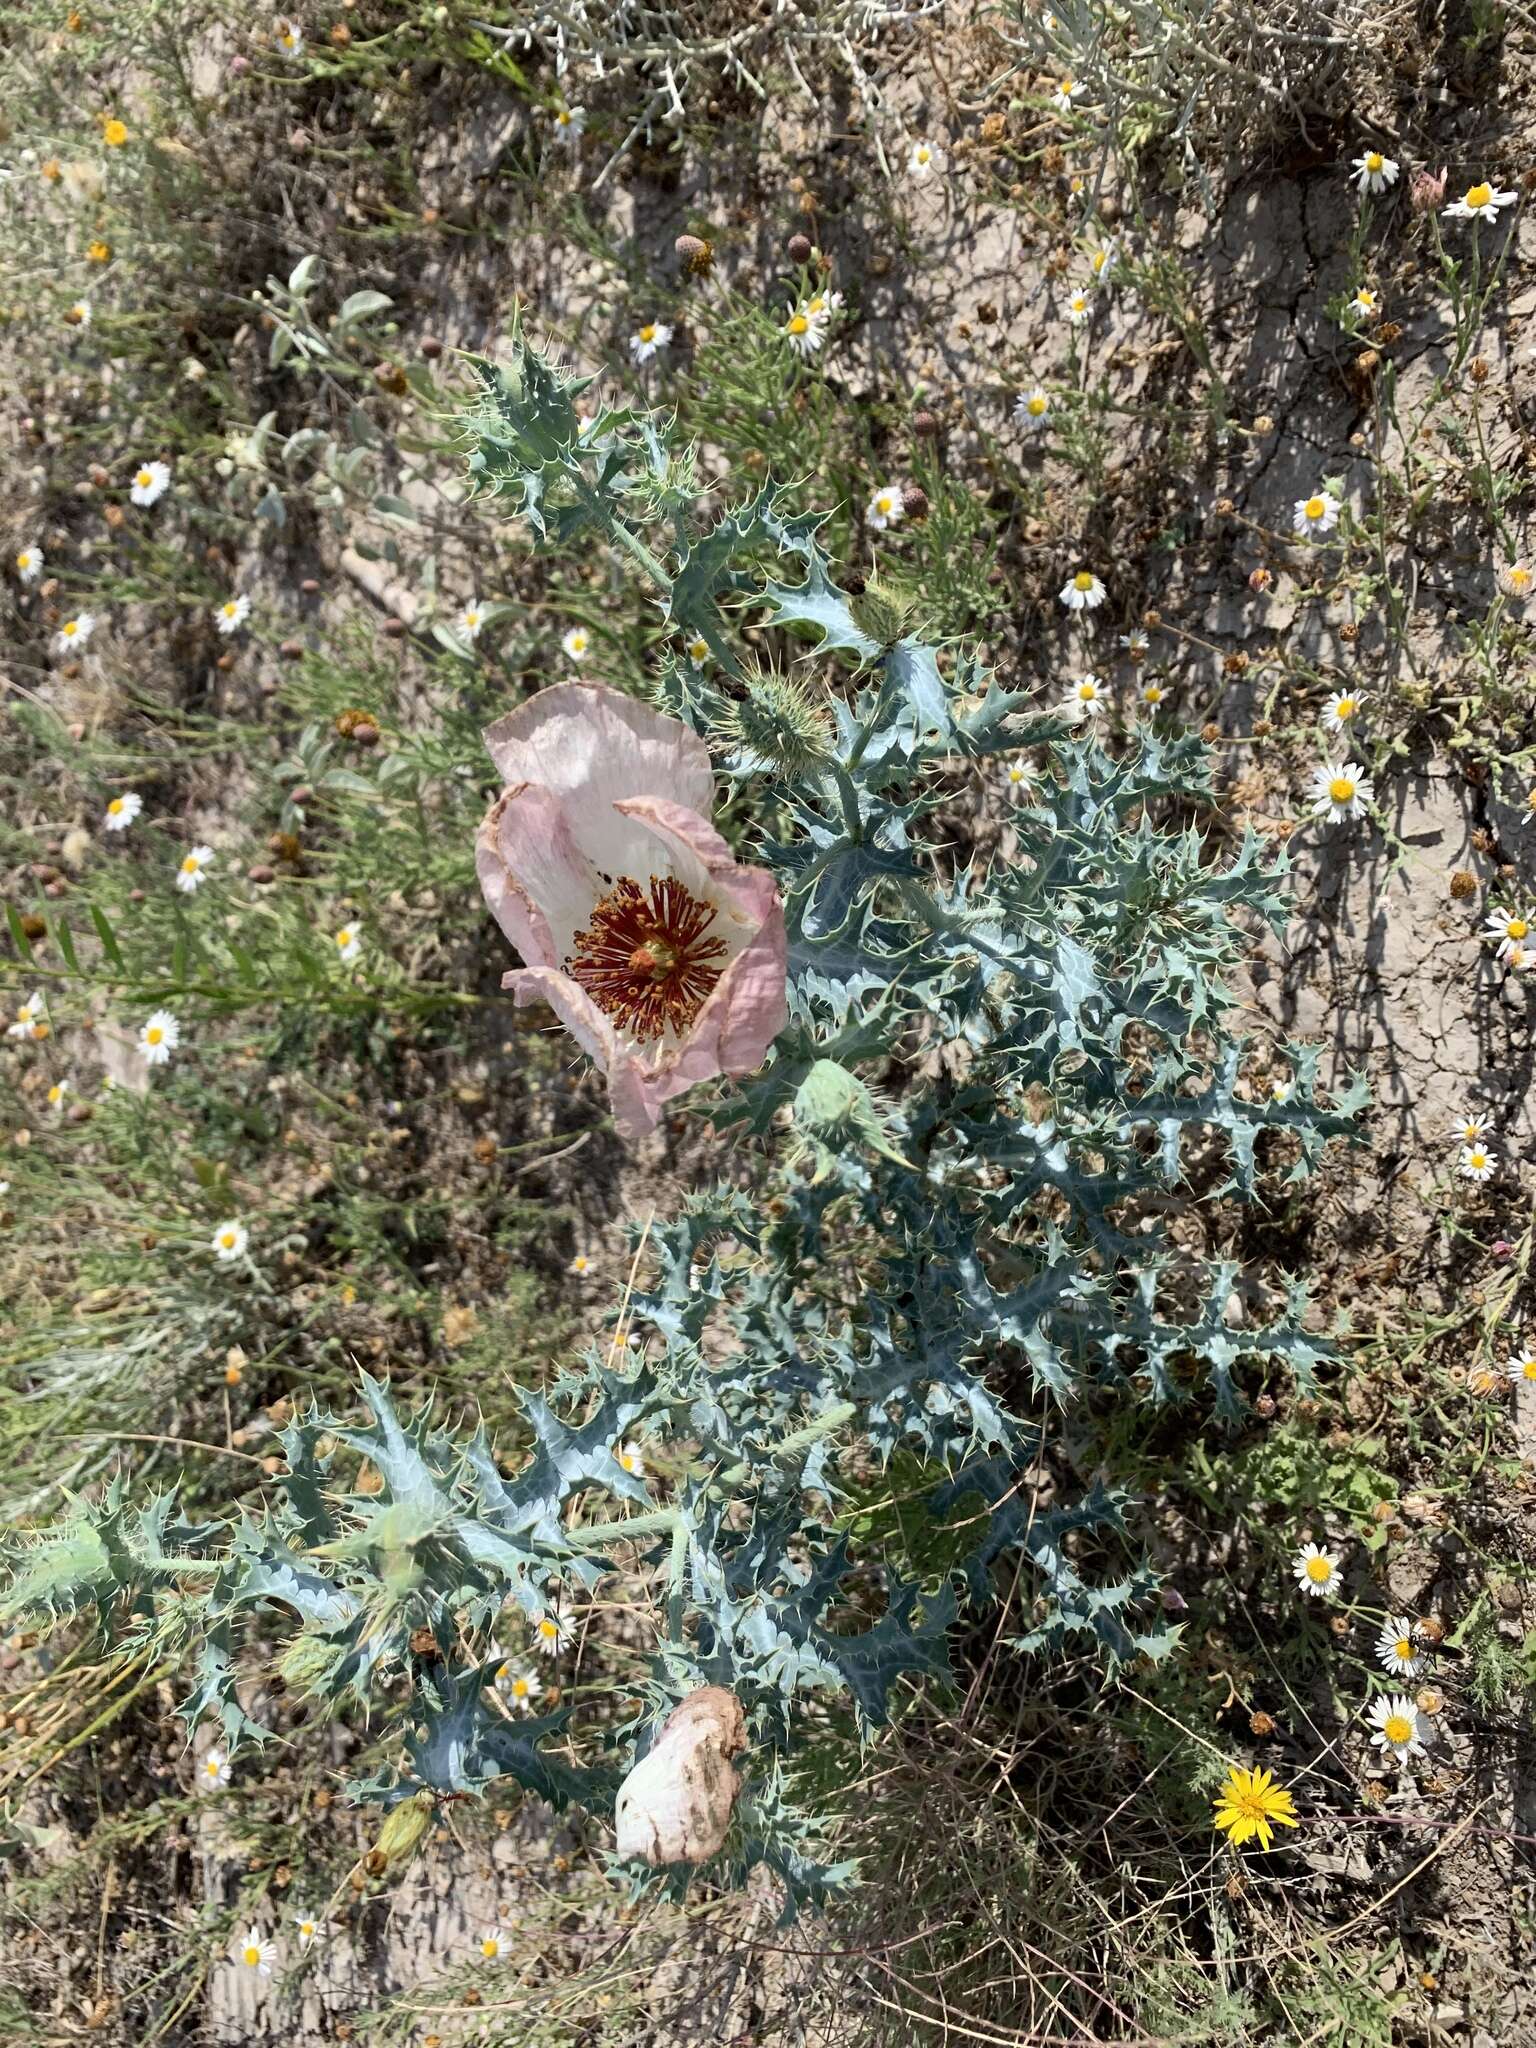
pixel 1528 1369
pixel 306 1928
pixel 143 479
pixel 1086 693
pixel 490 1946
pixel 1319 1570
pixel 1314 508
pixel 924 153
pixel 343 938
pixel 1345 708
pixel 1067 88
pixel 1477 1159
pixel 231 608
pixel 1517 927
pixel 191 864
pixel 227 1240
pixel 1035 406
pixel 1342 789
pixel 1082 580
pixel 1403 1649
pixel 519 1688
pixel 1153 693
pixel 153 1034
pixel 115 808
pixel 1478 196
pixel 1398 1729
pixel 563 118
pixel 798 324
pixel 549 1629
pixel 252 1954
pixel 71 628
pixel 114 134
pixel 648 333
pixel 1374 160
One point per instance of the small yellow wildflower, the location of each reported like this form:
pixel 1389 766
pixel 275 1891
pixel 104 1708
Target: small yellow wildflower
pixel 1251 1803
pixel 99 252
pixel 114 133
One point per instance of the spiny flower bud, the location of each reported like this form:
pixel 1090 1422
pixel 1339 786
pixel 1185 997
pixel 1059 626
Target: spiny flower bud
pixel 779 724
pixel 881 610
pixel 404 1826
pixel 834 1109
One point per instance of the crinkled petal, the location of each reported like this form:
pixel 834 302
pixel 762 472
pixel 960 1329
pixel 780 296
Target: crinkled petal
pixel 540 856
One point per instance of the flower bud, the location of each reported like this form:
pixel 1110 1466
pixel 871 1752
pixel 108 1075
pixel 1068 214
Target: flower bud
pixel 404 1826
pixel 799 249
pixel 696 254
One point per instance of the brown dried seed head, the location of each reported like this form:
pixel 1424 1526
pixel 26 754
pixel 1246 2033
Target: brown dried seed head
pixel 1463 885
pixel 1478 369
pixel 799 249
pixel 1260 1723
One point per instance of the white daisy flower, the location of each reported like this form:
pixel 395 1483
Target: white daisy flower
pixel 150 483
pixel 1510 927
pixel 288 36
pixel 215 1768
pixel 577 643
pixel 519 1684
pixel 491 1945
pixel 1480 202
pixel 582 1265
pixel 1469 1130
pixel 550 1632
pixel 1079 310
pixel 1341 710
pixel 1084 699
pixel 232 614
pixel 698 650
pixel 1523 1366
pixel 1520 958
pixel 630 1458
pixel 885 508
pixel 1365 305
pixel 122 810
pixel 1476 1163
pixel 79 314
pixel 75 632
pixel 1134 646
pixel 569 122
pixel 1514 579
pixel 228 1242
pixel 254 1952
pixel 1151 693
pixel 803 334
pixel 1281 1089
pixel 192 872
pixel 348 944
pixel 1339 794
pixel 310 1929
pixel 646 340
pixel 471 620
pixel 1374 172
pixel 1016 780
pixel 159 1038
pixel 1031 410
pixel 29 564
pixel 1399 1729
pixel 824 306
pixel 58 1091
pixel 1101 261
pixel 1068 91
pixel 31 1018
pixel 924 159
pixel 1395 1648
pixel 1083 592
pixel 1317 514
pixel 1316 1571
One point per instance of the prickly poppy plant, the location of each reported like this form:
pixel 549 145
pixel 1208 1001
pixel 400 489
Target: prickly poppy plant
pixel 972 1086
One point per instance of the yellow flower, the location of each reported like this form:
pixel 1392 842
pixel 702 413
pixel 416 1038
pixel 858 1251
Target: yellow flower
pixel 113 133
pixel 1251 1803
pixel 99 252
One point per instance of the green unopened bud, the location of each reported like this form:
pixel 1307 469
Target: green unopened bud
pixel 882 611
pixel 833 1109
pixel 780 724
pixel 404 1826
pixel 308 1664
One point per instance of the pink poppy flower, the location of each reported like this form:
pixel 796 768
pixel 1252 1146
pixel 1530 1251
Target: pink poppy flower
pixel 663 958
